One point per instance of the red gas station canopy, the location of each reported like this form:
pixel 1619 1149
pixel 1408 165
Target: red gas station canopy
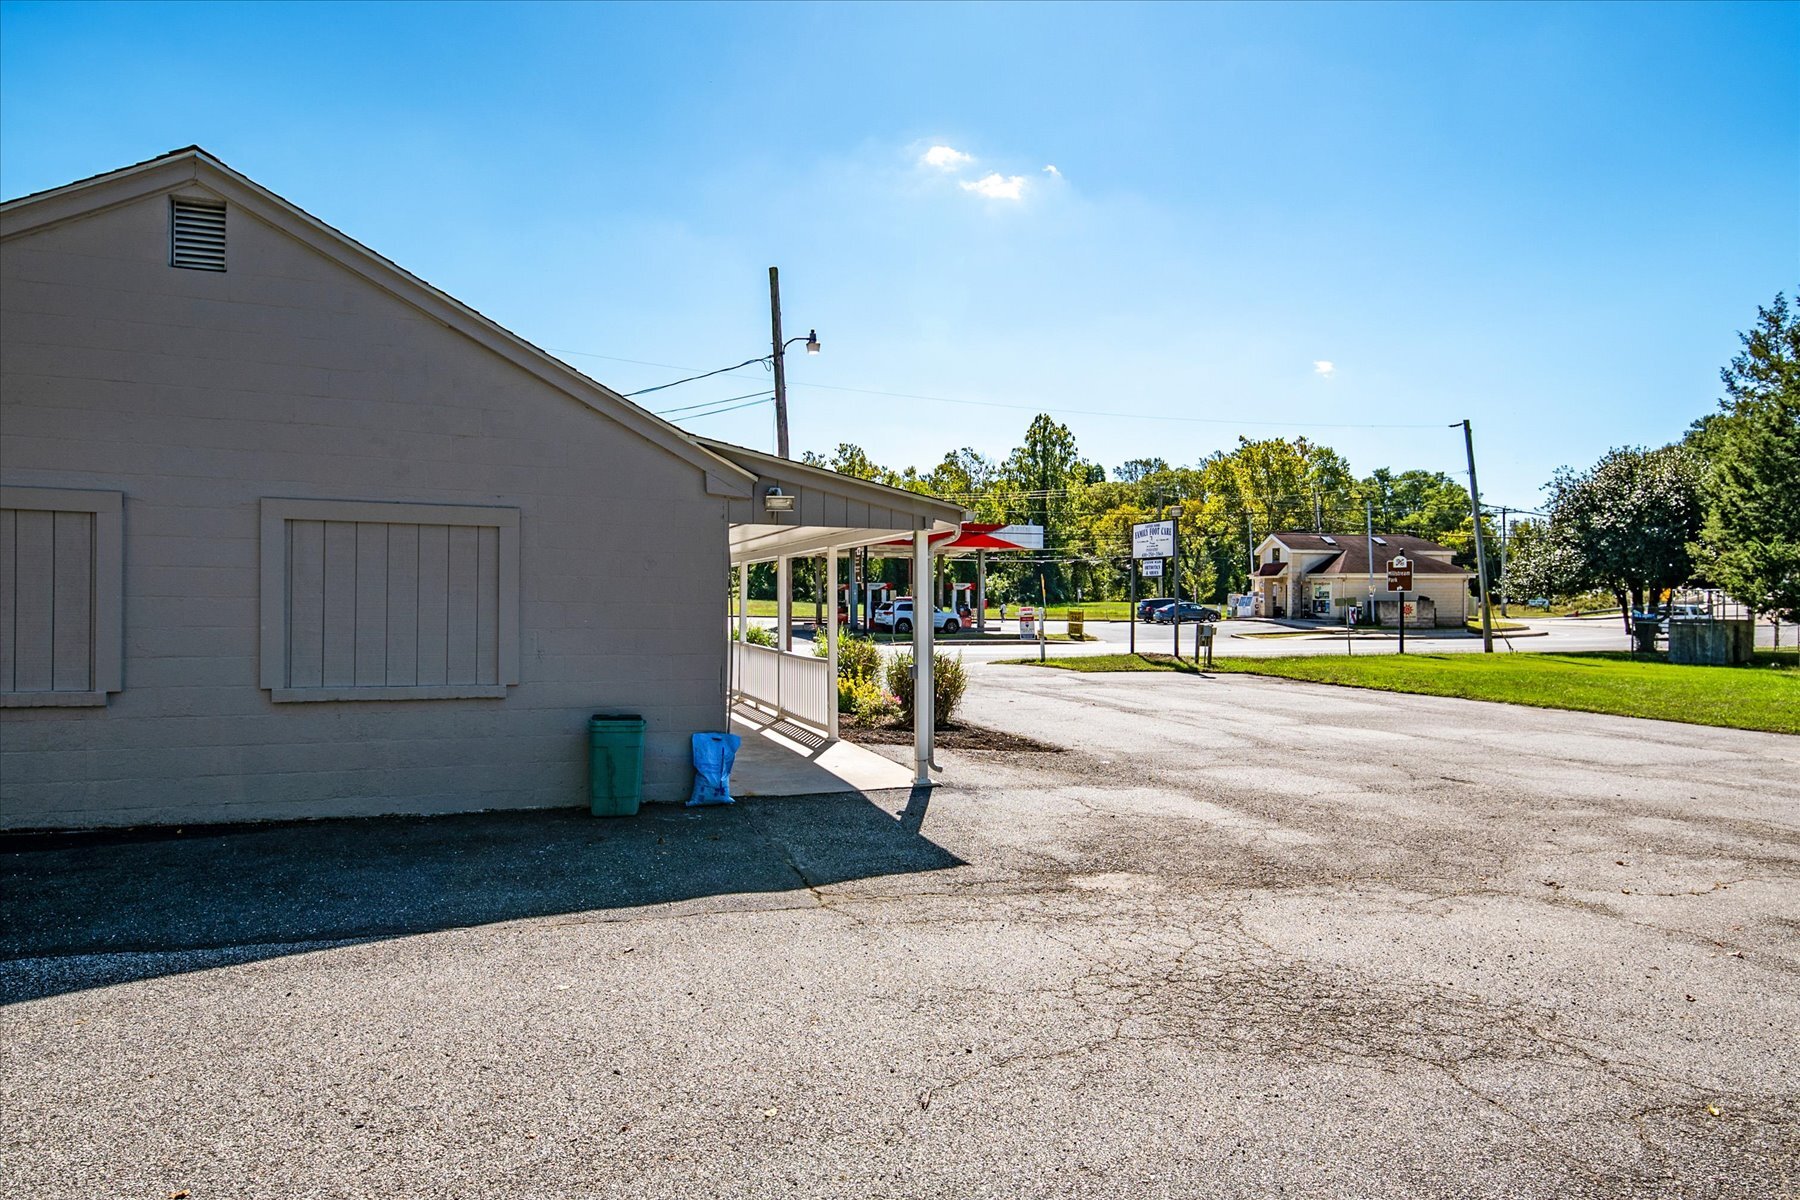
pixel 971 537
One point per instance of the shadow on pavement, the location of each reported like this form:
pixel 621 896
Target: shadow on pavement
pixel 88 910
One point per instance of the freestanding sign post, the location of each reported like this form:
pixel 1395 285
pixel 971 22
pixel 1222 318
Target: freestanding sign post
pixel 1151 542
pixel 1133 610
pixel 1400 579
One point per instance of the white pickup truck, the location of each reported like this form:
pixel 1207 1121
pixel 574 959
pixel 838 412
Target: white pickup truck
pixel 897 615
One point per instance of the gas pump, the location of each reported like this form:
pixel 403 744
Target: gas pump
pixel 876 595
pixel 963 604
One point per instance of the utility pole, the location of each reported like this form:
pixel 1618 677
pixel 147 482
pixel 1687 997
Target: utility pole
pixel 1369 522
pixel 781 422
pixel 1503 588
pixel 1487 623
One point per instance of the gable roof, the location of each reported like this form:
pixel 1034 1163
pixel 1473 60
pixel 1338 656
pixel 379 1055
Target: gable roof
pixel 1350 553
pixel 192 167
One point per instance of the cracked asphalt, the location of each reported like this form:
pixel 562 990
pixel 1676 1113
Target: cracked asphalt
pixel 1245 937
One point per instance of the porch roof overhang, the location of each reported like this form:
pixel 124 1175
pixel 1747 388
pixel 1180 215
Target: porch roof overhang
pixel 830 511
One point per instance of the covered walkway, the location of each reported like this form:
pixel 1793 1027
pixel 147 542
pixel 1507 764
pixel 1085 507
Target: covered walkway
pixel 800 511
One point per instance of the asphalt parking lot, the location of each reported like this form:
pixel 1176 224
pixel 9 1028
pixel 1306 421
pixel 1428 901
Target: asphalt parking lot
pixel 1243 937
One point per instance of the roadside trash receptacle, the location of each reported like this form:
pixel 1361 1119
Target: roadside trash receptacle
pixel 1644 630
pixel 713 755
pixel 615 765
pixel 1077 624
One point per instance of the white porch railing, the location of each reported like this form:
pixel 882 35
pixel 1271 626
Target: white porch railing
pixel 796 686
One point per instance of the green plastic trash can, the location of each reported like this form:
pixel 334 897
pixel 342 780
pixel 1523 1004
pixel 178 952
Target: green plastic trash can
pixel 615 765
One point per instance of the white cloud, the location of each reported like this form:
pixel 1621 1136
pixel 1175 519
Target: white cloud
pixel 1324 367
pixel 997 186
pixel 1052 171
pixel 945 158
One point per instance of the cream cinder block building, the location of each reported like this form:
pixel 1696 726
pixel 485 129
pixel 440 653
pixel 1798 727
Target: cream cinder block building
pixel 286 532
pixel 1314 576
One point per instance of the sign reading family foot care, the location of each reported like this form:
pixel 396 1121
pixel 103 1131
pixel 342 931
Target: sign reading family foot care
pixel 1153 539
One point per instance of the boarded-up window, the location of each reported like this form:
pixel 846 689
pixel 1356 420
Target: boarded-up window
pixel 374 601
pixel 60 573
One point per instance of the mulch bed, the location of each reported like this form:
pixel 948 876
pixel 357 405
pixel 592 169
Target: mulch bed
pixel 955 736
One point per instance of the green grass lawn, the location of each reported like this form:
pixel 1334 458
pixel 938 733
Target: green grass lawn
pixel 1764 695
pixel 1497 624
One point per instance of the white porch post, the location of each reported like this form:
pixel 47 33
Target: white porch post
pixel 831 634
pixel 743 625
pixel 784 603
pixel 923 690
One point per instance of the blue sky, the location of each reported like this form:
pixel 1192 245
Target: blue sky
pixel 1550 219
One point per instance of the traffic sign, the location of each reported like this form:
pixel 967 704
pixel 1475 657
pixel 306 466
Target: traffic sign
pixel 1153 539
pixel 1400 574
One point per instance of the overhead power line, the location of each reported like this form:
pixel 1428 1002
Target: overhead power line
pixel 663 412
pixel 713 412
pixel 691 378
pixel 1032 408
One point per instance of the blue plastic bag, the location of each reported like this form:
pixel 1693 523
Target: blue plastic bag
pixel 713 755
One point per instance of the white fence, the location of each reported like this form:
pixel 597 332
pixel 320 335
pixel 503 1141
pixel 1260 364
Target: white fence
pixel 796 686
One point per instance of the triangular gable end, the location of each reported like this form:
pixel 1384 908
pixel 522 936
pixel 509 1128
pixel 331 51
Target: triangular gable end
pixel 193 171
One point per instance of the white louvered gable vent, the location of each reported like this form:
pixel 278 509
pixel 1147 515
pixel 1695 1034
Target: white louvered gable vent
pixel 197 235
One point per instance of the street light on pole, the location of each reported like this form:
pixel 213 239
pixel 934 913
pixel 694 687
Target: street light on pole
pixel 776 359
pixel 780 360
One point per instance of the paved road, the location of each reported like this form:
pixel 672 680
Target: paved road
pixel 1270 639
pixel 1243 938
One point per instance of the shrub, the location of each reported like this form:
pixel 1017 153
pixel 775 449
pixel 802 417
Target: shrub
pixel 874 704
pixel 858 657
pixel 949 681
pixel 756 635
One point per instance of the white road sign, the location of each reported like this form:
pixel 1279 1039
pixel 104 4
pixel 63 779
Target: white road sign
pixel 1153 568
pixel 1153 539
pixel 1029 537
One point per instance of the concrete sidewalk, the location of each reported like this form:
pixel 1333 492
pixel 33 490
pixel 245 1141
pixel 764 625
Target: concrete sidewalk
pixel 779 758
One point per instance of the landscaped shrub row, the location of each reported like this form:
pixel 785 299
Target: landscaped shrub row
pixel 860 683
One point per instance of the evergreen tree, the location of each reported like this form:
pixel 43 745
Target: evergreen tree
pixel 1750 542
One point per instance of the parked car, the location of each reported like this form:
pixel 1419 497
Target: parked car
pixel 898 616
pixel 1189 612
pixel 1146 607
pixel 1683 612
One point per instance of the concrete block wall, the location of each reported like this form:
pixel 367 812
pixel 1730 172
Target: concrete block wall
pixel 197 394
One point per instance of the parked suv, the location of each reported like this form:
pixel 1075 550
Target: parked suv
pixel 1146 607
pixel 1189 612
pixel 898 616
